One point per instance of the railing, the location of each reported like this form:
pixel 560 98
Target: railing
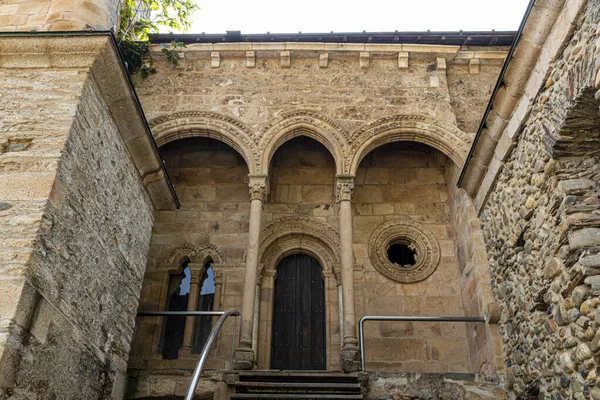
pixel 209 341
pixel 366 318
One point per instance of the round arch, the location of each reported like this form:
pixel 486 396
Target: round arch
pixel 446 138
pixel 299 235
pixel 303 123
pixel 196 254
pixel 209 125
pixel 290 235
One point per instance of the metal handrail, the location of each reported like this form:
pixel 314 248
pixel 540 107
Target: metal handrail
pixel 209 341
pixel 361 335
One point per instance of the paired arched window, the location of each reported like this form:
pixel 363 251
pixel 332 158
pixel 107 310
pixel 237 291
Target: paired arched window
pixel 181 289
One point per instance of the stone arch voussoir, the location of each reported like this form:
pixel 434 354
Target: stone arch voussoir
pixel 446 138
pixel 291 235
pixel 196 254
pixel 303 123
pixel 209 125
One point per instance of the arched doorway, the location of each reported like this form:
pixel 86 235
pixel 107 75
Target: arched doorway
pixel 298 341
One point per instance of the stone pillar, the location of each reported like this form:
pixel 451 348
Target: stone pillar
pixel 344 189
pixel 197 271
pixel 244 354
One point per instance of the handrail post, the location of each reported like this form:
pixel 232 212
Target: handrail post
pixel 204 354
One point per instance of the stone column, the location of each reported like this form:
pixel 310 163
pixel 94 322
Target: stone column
pixel 344 189
pixel 197 271
pixel 244 354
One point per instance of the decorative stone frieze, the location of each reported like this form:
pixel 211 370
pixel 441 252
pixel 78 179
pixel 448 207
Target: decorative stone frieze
pixel 416 237
pixel 195 254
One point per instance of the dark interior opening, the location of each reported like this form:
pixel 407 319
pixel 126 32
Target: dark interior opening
pixel 401 254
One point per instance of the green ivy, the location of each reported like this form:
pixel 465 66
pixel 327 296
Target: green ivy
pixel 134 30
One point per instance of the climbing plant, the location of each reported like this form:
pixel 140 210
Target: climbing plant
pixel 139 18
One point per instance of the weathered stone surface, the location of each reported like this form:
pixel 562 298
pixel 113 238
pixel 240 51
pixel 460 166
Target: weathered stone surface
pixel 544 265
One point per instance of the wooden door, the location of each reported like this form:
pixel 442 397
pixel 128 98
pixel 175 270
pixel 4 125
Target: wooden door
pixel 298 341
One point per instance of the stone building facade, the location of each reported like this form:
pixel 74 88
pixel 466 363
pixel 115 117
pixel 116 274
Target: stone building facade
pixel 455 178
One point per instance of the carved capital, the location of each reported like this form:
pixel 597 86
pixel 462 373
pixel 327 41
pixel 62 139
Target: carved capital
pixel 197 271
pixel 259 187
pixel 344 187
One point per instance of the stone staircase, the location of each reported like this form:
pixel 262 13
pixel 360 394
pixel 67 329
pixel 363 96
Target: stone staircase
pixel 297 385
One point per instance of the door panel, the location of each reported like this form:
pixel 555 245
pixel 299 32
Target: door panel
pixel 298 341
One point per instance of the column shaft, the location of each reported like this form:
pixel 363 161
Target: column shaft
pixel 344 189
pixel 244 355
pixel 188 333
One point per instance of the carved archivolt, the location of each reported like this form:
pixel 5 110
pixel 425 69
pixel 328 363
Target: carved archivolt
pixel 290 235
pixel 413 128
pixel 414 235
pixel 195 254
pixel 303 123
pixel 347 149
pixel 210 125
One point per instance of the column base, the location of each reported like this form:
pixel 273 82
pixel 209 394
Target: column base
pixel 243 358
pixel 186 353
pixel 350 356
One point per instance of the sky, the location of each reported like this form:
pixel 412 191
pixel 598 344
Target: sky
pixel 284 16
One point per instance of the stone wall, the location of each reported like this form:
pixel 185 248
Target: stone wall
pixel 211 180
pixel 406 181
pixel 397 181
pixel 540 222
pixel 341 88
pixel 75 218
pixel 58 15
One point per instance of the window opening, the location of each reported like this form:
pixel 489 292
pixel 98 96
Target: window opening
pixel 177 300
pixel 402 255
pixel 206 300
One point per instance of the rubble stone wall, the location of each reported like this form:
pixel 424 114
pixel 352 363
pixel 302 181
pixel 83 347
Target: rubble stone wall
pixel 541 226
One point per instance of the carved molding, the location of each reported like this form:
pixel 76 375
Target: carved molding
pixel 446 138
pixel 290 235
pixel 206 124
pixel 413 234
pixel 347 148
pixel 195 254
pixel 302 123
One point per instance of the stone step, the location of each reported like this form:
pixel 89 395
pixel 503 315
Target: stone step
pixel 297 376
pixel 297 387
pixel 297 396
